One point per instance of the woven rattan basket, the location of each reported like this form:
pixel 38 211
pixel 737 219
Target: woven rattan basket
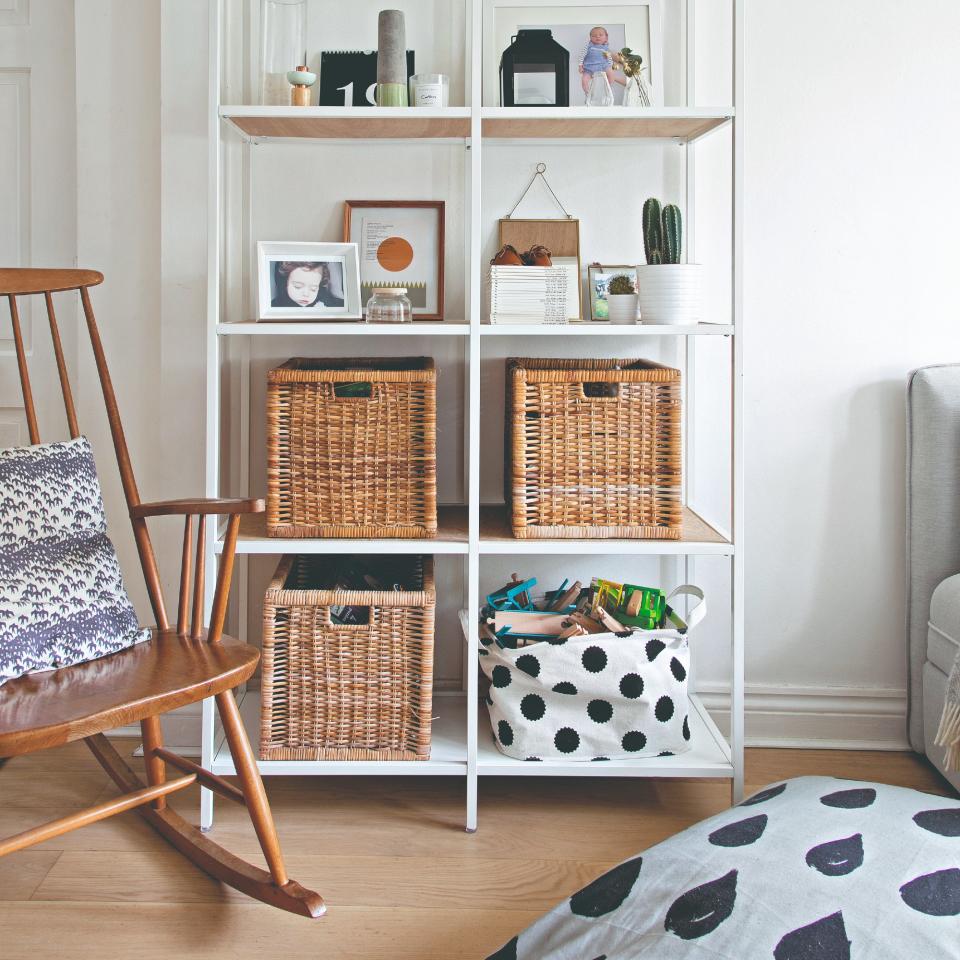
pixel 336 692
pixel 593 449
pixel 357 465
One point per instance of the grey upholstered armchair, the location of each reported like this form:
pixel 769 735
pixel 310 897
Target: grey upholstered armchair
pixel 933 548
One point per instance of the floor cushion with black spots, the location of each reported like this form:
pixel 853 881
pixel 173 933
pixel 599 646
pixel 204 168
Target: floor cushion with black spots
pixel 810 869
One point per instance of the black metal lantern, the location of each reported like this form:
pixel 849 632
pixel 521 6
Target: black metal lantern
pixel 535 71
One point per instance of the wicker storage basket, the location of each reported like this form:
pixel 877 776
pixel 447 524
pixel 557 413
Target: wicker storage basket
pixel 336 692
pixel 593 449
pixel 352 448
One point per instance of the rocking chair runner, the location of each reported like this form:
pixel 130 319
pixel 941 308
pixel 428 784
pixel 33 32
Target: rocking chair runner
pixel 176 666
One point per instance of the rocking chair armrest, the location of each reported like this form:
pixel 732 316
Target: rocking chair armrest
pixel 202 506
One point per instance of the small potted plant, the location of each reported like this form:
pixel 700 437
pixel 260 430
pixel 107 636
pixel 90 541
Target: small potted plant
pixel 621 300
pixel 668 290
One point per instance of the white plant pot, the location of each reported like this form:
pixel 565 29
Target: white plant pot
pixel 622 307
pixel 670 293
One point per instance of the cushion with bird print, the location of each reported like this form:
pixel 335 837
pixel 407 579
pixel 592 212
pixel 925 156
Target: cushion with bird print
pixel 62 598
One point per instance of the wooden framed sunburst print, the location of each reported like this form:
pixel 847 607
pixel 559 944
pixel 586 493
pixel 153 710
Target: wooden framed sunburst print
pixel 401 245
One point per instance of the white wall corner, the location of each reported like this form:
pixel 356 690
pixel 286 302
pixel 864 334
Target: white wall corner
pixel 827 717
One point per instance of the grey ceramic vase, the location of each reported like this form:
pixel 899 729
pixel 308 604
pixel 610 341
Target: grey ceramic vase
pixel 391 59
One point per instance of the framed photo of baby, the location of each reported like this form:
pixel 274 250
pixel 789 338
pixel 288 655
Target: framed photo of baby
pixel 594 37
pixel 308 281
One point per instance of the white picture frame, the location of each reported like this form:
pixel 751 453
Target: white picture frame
pixel 642 21
pixel 333 281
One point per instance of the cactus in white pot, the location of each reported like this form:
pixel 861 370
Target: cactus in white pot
pixel 668 290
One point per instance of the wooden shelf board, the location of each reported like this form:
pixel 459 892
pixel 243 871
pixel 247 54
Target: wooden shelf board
pixel 254 328
pixel 698 537
pixel 708 756
pixel 350 123
pixel 604 329
pixel 448 750
pixel 451 538
pixel 600 123
pixel 453 123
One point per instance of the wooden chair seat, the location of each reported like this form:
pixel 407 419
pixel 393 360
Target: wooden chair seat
pixel 48 709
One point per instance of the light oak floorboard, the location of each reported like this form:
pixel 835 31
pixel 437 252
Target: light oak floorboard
pixel 390 856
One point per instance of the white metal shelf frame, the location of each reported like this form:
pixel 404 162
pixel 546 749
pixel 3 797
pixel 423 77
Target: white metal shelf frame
pixel 464 749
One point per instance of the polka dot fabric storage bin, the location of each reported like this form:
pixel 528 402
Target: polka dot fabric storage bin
pixel 605 696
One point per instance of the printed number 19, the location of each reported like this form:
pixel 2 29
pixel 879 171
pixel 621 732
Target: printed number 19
pixel 348 94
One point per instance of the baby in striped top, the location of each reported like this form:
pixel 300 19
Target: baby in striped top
pixel 597 58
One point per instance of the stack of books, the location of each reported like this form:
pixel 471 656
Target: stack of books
pixel 529 294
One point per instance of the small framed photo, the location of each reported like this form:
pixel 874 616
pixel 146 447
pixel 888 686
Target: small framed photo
pixel 599 276
pixel 592 35
pixel 308 281
pixel 401 245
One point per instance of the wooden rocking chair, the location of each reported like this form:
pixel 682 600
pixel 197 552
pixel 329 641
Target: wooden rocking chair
pixel 176 666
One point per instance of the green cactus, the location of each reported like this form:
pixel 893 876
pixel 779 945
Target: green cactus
pixel 653 231
pixel 621 284
pixel 672 233
pixel 662 232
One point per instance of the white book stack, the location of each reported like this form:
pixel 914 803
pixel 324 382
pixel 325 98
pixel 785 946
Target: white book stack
pixel 529 294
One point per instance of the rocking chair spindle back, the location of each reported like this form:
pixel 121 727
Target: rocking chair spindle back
pixel 176 666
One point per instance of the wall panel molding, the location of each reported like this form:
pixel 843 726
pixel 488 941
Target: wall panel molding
pixel 14 13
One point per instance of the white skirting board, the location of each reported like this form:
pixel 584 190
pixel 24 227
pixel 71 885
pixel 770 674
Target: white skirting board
pixel 828 718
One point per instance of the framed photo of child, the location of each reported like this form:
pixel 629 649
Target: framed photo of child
pixel 308 281
pixel 594 37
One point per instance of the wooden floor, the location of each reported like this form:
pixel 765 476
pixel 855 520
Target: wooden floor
pixel 401 878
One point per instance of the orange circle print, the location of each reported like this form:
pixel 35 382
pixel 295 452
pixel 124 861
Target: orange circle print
pixel 395 254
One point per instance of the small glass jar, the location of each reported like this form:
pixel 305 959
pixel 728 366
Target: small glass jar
pixel 389 305
pixel 429 90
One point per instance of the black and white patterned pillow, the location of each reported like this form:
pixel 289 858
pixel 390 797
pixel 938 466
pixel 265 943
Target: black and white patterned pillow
pixel 809 869
pixel 62 598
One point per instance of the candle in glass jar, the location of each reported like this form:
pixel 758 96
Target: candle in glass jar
pixel 430 90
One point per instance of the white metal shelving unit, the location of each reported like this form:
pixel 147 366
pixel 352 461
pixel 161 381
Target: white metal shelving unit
pixel 462 744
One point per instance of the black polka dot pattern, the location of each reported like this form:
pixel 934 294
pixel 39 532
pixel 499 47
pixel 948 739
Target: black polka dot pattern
pixel 608 892
pixel 631 686
pixel 565 687
pixel 500 677
pixel 764 795
pixel 654 649
pixel 507 952
pixel 533 707
pixel 837 858
pixel 935 894
pixel 824 939
pixel 944 823
pixel 529 664
pixel 567 740
pixel 701 910
pixel 600 711
pixel 686 729
pixel 594 659
pixel 740 834
pixel 678 670
pixel 505 733
pixel 850 799
pixel 634 741
pixel 664 709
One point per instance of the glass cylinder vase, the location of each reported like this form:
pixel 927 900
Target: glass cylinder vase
pixel 283 30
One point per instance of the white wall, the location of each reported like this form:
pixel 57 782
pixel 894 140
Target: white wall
pixel 851 272
pixel 118 233
pixel 851 255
